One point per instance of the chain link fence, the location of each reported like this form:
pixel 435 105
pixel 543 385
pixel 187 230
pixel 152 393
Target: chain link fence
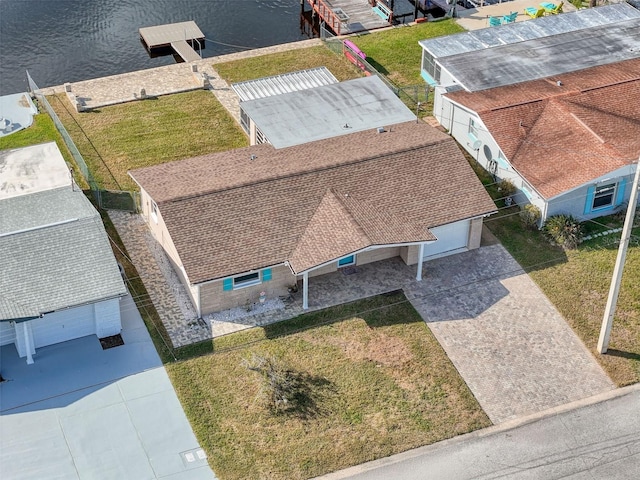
pixel 106 199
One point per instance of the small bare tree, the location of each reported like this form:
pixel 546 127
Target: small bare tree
pixel 279 383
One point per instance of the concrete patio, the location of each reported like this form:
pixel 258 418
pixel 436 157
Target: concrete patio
pixel 81 412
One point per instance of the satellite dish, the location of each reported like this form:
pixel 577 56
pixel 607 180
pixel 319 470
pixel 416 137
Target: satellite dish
pixel 487 153
pixel 476 144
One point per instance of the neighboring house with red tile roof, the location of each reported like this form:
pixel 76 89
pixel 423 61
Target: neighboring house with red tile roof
pixel 568 142
pixel 259 219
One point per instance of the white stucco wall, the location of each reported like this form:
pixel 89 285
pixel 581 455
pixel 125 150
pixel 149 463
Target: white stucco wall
pixel 107 318
pixel 459 119
pixel 7 333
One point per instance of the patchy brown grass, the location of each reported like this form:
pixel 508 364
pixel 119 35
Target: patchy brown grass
pixel 375 384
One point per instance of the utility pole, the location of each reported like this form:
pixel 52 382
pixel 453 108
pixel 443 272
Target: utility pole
pixel 614 290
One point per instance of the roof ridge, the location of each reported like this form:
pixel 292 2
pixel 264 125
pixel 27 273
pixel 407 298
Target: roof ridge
pixel 613 84
pixel 331 192
pixel 309 171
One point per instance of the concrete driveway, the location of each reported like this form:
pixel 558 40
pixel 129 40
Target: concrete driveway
pixel 81 412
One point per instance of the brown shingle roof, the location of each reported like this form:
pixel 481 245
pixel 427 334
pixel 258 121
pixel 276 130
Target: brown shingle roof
pixel 227 214
pixel 354 225
pixel 562 136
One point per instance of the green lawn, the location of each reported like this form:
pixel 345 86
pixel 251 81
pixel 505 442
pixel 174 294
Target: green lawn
pixel 396 52
pixel 41 131
pixel 119 138
pixel 577 283
pixel 285 62
pixel 373 384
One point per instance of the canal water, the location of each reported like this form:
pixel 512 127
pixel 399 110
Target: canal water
pixel 60 41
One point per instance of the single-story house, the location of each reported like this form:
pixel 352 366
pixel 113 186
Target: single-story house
pixel 306 106
pixel 568 142
pixel 60 279
pixel 259 219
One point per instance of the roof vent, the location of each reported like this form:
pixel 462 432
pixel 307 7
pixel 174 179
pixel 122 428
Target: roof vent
pixel 253 157
pixel 346 125
pixel 559 83
pixel 381 130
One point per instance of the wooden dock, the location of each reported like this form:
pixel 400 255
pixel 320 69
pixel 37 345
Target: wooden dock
pixel 181 37
pixel 348 16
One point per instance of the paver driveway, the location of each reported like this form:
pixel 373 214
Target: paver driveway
pixel 514 350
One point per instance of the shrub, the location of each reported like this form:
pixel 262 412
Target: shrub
pixel 530 216
pixel 564 230
pixel 506 187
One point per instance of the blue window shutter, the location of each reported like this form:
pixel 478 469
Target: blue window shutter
pixel 620 194
pixel 266 274
pixel 588 206
pixel 227 284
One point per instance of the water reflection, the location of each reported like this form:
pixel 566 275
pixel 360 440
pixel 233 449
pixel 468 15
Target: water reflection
pixel 70 40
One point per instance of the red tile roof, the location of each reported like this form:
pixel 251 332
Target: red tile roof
pixel 312 203
pixel 561 136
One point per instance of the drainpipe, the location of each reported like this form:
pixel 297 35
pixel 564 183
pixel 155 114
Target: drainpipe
pixel 420 254
pixel 305 290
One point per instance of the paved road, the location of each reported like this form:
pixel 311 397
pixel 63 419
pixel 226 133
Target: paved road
pixel 580 441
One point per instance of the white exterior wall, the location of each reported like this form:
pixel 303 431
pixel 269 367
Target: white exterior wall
pixel 7 333
pixel 570 203
pixel 442 108
pixel 459 129
pixel 107 318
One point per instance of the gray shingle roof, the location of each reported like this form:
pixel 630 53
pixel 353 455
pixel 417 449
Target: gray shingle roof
pixel 48 268
pixel 44 208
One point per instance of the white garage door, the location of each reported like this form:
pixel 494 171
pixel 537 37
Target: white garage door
pixel 63 325
pixel 451 238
